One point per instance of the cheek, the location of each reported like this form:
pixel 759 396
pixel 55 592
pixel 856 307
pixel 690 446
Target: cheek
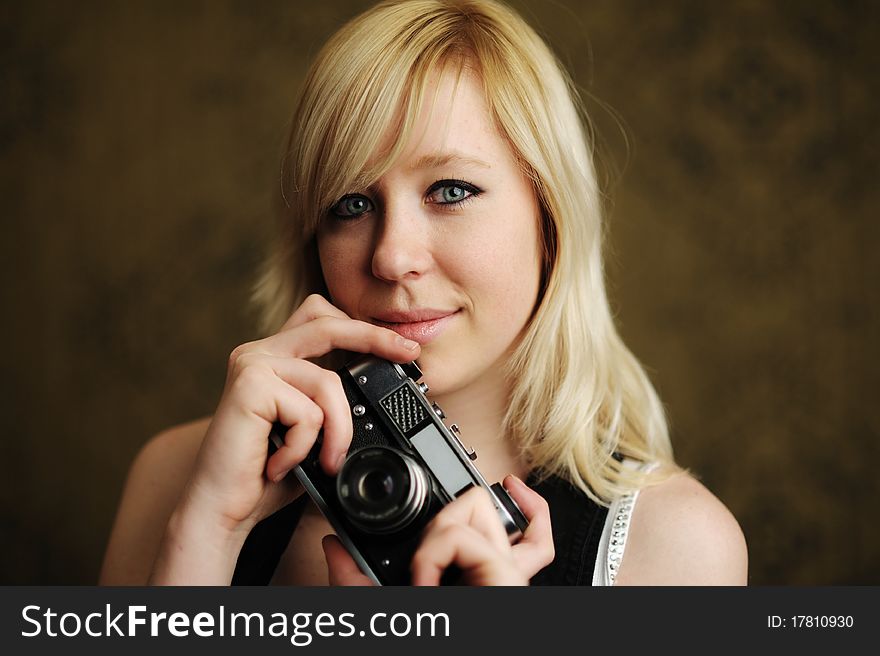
pixel 506 274
pixel 339 258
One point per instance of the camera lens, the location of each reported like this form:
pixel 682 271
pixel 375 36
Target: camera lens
pixel 381 489
pixel 376 486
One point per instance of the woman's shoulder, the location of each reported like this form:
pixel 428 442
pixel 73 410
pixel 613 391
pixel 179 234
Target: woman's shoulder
pixel 173 449
pixel 682 534
pixel 155 481
pixel 163 464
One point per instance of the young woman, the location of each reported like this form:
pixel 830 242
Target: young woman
pixel 440 204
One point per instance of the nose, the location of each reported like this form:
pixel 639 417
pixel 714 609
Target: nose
pixel 402 249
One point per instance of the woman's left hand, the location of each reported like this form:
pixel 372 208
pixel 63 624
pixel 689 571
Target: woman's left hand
pixel 467 533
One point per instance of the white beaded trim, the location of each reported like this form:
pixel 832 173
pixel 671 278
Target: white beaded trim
pixel 619 529
pixel 612 542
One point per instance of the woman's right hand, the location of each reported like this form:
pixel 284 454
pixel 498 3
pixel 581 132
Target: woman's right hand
pixel 233 486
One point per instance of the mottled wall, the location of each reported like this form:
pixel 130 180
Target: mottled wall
pixel 139 147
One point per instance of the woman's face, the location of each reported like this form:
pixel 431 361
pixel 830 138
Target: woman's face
pixel 445 247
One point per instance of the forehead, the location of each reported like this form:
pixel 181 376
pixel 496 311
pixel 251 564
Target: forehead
pixel 454 125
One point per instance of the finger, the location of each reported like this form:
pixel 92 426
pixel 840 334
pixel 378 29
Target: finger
pixel 280 494
pixel 298 441
pixel 311 308
pixel 467 548
pixel 535 549
pixel 474 508
pixel 324 388
pixel 300 395
pixel 304 419
pixel 327 333
pixel 341 568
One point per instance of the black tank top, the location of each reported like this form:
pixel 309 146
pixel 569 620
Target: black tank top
pixel 577 522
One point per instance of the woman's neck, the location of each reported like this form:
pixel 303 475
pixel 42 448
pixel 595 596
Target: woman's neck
pixel 479 410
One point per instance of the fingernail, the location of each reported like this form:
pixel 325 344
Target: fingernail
pixel 339 461
pixel 280 477
pixel 407 343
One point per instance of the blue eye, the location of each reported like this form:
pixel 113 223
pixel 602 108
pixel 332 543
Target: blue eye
pixel 451 192
pixel 351 206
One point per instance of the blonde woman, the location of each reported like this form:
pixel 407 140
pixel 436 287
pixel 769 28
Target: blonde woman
pixel 440 204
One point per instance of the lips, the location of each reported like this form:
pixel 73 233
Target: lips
pixel 412 316
pixel 421 326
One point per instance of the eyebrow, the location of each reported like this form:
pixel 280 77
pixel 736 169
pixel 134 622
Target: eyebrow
pixel 436 160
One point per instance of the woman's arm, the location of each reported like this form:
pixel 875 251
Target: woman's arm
pixel 681 534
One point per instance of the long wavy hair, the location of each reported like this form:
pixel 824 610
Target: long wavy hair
pixel 578 395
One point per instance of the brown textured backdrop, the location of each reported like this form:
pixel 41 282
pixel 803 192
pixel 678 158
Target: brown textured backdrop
pixel 138 153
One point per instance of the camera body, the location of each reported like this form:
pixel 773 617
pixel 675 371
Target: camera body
pixel 403 466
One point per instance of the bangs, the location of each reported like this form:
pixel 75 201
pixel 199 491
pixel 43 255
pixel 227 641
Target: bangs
pixel 364 112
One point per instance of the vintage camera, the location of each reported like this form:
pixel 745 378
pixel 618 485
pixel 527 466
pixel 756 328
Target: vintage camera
pixel 403 466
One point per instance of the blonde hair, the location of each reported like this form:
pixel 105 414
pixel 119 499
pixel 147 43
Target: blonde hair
pixel 578 395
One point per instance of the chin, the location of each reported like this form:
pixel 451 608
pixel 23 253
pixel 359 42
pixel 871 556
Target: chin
pixel 448 371
pixel 439 372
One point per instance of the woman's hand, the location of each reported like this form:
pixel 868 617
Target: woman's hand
pixel 468 534
pixel 233 485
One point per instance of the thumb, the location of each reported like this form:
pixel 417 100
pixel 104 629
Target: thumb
pixel 341 568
